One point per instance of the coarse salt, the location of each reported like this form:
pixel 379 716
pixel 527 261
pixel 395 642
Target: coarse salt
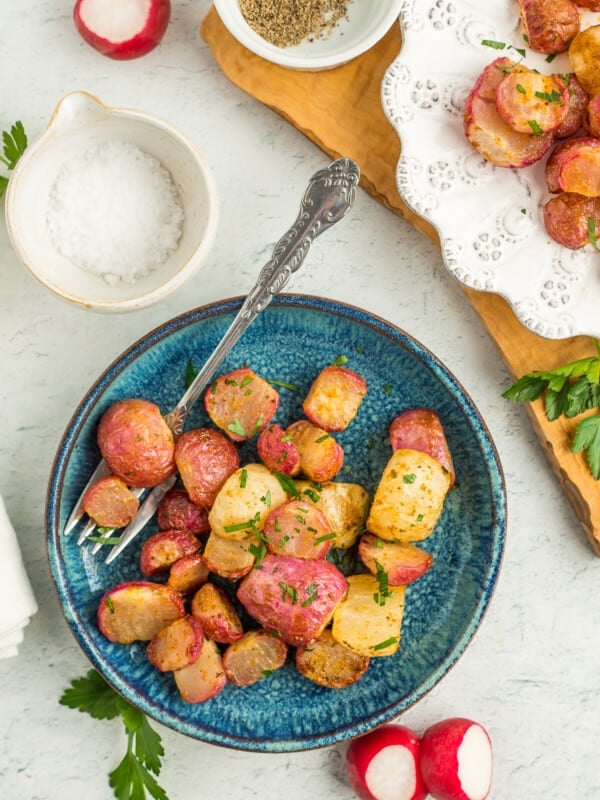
pixel 115 211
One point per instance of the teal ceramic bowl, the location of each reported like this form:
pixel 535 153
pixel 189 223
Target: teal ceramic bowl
pixel 290 342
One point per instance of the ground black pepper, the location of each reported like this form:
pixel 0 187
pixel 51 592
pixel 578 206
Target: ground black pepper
pixel 288 22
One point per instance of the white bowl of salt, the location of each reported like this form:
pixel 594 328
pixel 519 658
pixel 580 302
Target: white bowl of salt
pixel 111 209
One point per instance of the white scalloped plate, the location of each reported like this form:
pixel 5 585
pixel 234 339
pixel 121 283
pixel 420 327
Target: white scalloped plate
pixel 489 218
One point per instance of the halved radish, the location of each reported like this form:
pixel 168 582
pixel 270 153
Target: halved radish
pixel 122 29
pixel 456 760
pixel 176 646
pixel 384 765
pixel 203 679
pixel 138 610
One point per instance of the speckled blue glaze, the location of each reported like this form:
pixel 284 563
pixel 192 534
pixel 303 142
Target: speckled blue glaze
pixel 291 341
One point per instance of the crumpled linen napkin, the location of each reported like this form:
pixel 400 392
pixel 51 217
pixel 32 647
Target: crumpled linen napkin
pixel 17 601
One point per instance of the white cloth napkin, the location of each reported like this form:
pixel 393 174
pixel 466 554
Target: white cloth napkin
pixel 17 602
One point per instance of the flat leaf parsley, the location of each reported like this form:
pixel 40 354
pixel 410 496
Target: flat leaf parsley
pixel 13 147
pixel 133 778
pixel 569 390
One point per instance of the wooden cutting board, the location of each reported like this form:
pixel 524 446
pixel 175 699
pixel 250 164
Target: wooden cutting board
pixel 340 111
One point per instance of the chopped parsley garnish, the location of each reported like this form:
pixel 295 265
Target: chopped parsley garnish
pixel 325 537
pixel 535 127
pixel 104 539
pixel 550 97
pixel 287 484
pixel 382 645
pixel 521 89
pixel 259 552
pixel 340 361
pixel 243 478
pixel 290 386
pixel 288 591
pixel 410 478
pixel 322 438
pixel 312 494
pixel 190 373
pixel 237 428
pixel 494 44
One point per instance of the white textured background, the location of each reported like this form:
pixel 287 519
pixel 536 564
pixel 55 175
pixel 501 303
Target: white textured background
pixel 531 675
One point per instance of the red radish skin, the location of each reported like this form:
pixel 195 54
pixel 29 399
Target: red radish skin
pixel 456 760
pixel 122 29
pixel 384 765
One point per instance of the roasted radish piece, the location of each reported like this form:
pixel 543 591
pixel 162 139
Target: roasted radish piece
pixel 203 679
pixel 188 573
pixel 229 558
pixel 549 25
pixel 244 502
pixel 344 504
pixel 213 608
pixel 584 55
pixel 205 459
pixel 298 528
pixel 489 134
pixel 136 443
pixel 122 30
pixel 560 154
pixel 253 657
pixel 138 611
pixel 369 618
pixel 176 646
pixel 578 100
pixel 329 663
pixel 530 102
pixel 456 760
pixel 321 457
pixel 568 219
pixel 409 498
pixel 384 764
pixel 591 116
pixel 294 596
pixel 421 429
pixel 334 398
pixel 165 548
pixel 177 512
pixel 241 403
pixel 401 563
pixel 277 451
pixel 579 170
pixel 110 503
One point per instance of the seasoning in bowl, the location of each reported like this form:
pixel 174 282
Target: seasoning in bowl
pixel 284 23
pixel 115 211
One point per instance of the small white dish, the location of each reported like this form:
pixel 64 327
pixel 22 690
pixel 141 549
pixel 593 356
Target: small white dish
pixel 365 24
pixel 79 122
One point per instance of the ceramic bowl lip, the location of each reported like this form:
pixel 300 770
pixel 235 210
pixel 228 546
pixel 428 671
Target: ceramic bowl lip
pixel 53 535
pixel 235 23
pixel 187 269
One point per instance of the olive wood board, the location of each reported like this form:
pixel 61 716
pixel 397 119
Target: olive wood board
pixel 340 111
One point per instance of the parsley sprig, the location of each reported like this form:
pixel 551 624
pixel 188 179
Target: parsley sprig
pixel 569 390
pixel 13 147
pixel 134 777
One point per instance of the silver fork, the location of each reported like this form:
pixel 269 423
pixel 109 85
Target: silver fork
pixel 327 199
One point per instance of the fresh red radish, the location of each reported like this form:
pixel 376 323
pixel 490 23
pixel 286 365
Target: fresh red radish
pixel 456 760
pixel 122 29
pixel 384 764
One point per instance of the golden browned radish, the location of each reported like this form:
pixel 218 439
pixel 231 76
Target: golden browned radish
pixel 188 573
pixel 213 608
pixel 579 170
pixel 165 548
pixel 203 679
pixel 549 25
pixel 530 102
pixel 591 116
pixel 244 502
pixel 578 100
pixel 329 663
pixel 136 442
pixel 298 528
pixel 205 459
pixel 110 503
pixel 369 620
pixel 489 134
pixel 277 451
pixel 334 398
pixel 138 610
pixel 559 154
pixel 568 218
pixel 229 558
pixel 176 512
pixel 409 497
pixel 294 596
pixel 176 646
pixel 321 457
pixel 241 403
pixel 421 429
pixel 253 657
pixel 584 55
pixel 400 564
pixel 344 504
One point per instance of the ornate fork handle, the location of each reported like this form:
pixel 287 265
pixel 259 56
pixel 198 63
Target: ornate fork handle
pixel 328 197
